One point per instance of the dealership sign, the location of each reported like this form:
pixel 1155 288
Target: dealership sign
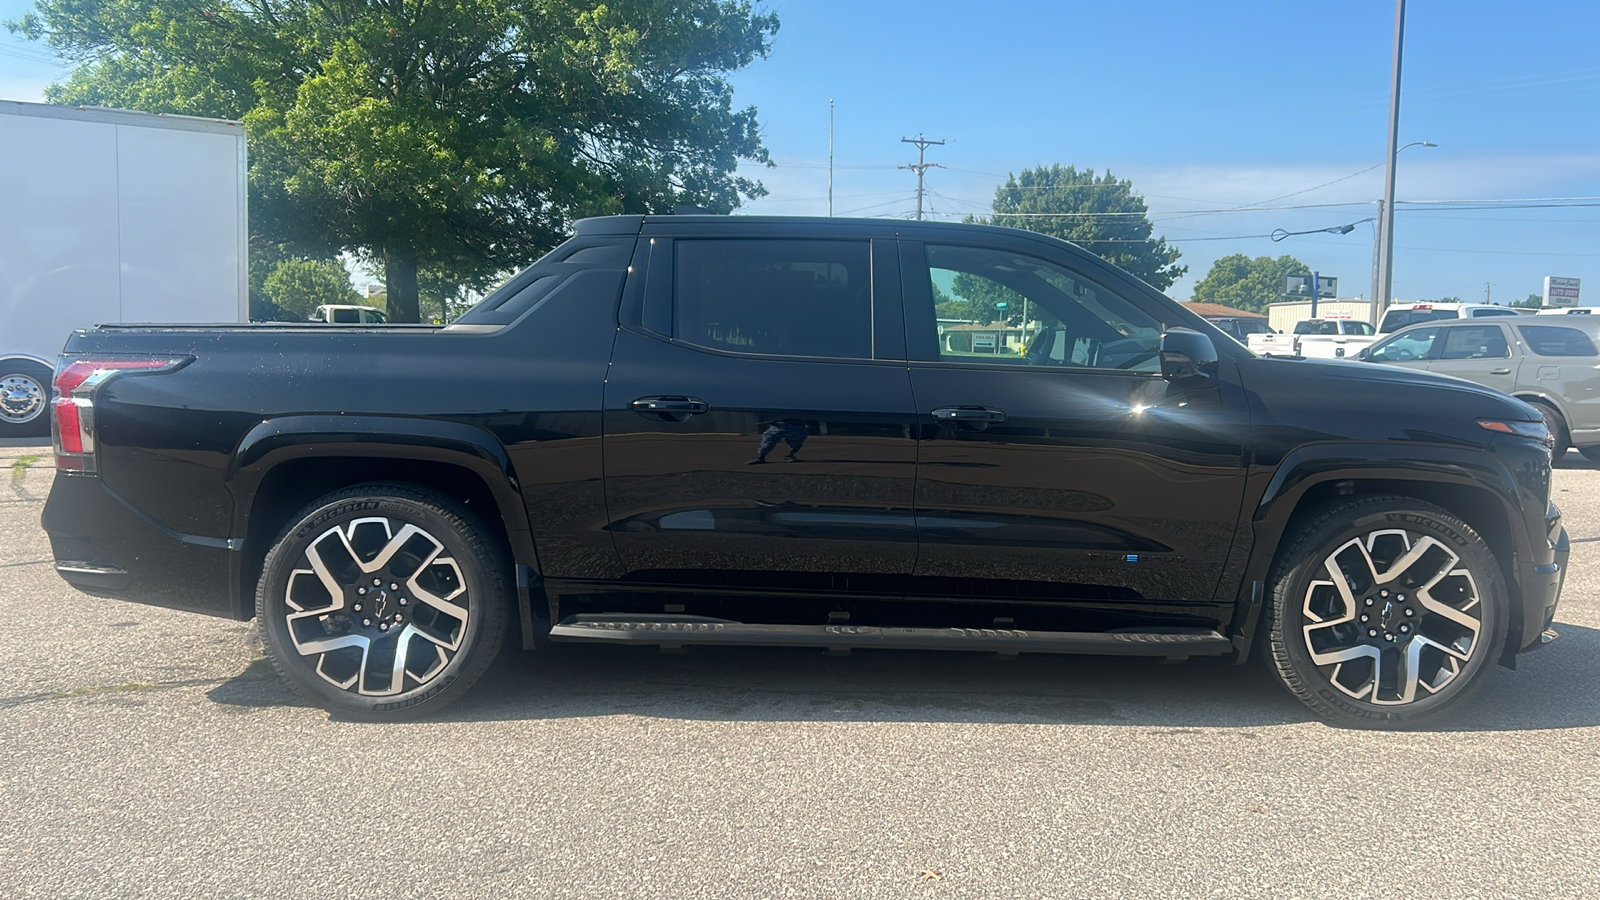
pixel 1560 291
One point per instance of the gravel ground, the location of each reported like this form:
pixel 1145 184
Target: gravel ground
pixel 151 753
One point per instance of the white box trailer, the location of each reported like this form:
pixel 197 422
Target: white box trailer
pixel 111 216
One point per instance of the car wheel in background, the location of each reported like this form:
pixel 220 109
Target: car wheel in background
pixel 1591 453
pixel 1560 438
pixel 24 398
pixel 1385 612
pixel 383 601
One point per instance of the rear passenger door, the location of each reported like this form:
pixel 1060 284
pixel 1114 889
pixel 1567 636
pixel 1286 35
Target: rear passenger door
pixel 1562 363
pixel 758 415
pixel 1477 351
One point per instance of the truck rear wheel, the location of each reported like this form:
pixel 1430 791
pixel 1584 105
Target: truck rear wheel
pixel 24 398
pixel 1385 612
pixel 383 601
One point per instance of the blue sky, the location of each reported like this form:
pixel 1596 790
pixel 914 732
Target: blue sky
pixel 1203 106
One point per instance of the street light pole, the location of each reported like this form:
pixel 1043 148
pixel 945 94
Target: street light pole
pixel 1380 299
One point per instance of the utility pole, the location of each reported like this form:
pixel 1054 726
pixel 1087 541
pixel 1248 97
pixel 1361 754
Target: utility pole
pixel 1386 213
pixel 921 167
pixel 830 157
pixel 1486 292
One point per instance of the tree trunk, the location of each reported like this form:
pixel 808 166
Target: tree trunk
pixel 400 281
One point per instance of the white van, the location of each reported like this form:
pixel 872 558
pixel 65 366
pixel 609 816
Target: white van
pixel 343 314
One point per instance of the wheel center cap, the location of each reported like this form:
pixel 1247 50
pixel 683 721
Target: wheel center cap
pixel 381 604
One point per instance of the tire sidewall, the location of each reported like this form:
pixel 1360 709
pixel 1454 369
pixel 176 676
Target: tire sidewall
pixel 1293 659
pixel 463 539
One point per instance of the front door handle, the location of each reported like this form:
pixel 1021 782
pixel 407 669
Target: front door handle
pixel 670 408
pixel 968 414
pixel 1499 371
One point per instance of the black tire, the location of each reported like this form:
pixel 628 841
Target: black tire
pixel 1591 452
pixel 1454 624
pixel 442 593
pixel 1560 437
pixel 24 398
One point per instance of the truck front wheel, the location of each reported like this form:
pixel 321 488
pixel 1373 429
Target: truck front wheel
pixel 383 601
pixel 1386 612
pixel 24 398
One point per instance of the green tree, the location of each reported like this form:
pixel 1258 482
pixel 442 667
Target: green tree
pixel 1245 283
pixel 1534 301
pixel 1100 213
pixel 458 137
pixel 299 286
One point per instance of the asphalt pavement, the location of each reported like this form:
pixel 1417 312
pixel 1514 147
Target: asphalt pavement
pixel 150 753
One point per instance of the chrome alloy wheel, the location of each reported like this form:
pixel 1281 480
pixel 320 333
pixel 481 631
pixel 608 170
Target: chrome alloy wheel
pixel 380 606
pixel 1397 612
pixel 22 399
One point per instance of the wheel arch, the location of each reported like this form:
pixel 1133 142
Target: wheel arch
pixel 1468 483
pixel 285 463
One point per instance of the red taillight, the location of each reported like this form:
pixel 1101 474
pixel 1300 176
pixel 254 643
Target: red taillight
pixel 76 381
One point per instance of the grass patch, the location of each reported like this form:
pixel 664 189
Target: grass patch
pixel 19 469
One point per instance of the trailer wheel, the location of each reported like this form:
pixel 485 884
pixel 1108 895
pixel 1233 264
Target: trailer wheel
pixel 24 398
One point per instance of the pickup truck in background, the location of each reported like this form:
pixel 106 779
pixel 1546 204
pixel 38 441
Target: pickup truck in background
pixel 715 430
pixel 1328 338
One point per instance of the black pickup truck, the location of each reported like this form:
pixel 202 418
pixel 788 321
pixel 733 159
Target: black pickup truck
pixel 703 429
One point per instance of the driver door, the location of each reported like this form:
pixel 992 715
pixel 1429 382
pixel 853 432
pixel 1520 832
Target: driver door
pixel 1055 462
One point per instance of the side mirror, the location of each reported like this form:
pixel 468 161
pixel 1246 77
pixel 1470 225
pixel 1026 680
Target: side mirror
pixel 1185 354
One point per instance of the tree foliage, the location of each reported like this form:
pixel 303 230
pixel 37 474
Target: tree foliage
pixel 1100 213
pixel 458 137
pixel 299 286
pixel 1534 301
pixel 1245 283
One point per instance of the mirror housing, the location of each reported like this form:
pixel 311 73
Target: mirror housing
pixel 1186 354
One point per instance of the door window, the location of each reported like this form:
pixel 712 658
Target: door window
pixel 781 297
pixel 1553 340
pixel 1474 342
pixel 995 306
pixel 1405 347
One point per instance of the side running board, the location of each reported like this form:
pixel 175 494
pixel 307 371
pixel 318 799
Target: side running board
pixel 678 630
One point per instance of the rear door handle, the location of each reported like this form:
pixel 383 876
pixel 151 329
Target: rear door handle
pixel 968 414
pixel 670 408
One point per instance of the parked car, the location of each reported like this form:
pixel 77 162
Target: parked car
pixel 349 314
pixel 1240 327
pixel 1566 311
pixel 1555 367
pixel 708 429
pixel 1398 317
pixel 1331 338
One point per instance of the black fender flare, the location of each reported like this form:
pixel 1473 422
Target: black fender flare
pixel 1312 465
pixel 283 439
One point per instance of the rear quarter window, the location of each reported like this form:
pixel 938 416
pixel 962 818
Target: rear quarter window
pixel 1555 340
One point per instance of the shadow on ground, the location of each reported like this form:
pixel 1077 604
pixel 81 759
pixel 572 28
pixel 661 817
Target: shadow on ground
pixel 1558 687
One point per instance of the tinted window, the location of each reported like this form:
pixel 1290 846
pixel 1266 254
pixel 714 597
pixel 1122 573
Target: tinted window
pixel 346 315
pixel 1322 327
pixel 1480 313
pixel 793 298
pixel 1554 340
pixel 1404 347
pixel 1396 319
pixel 1474 342
pixel 996 306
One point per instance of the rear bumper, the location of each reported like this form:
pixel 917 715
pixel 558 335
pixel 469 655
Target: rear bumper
pixel 105 547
